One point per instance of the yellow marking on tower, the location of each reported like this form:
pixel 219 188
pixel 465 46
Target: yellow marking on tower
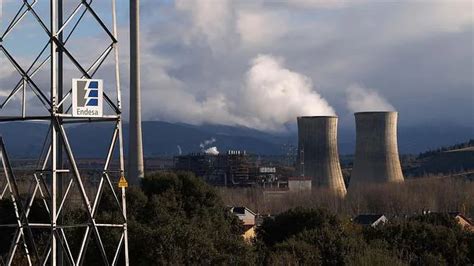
pixel 122 182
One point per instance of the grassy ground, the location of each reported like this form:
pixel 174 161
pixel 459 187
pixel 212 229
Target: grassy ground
pixel 439 194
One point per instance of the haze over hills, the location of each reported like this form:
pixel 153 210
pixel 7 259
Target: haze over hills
pixel 24 140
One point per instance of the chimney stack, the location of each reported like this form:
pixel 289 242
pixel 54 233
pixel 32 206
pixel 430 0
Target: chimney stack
pixel 317 140
pixel 135 157
pixel 376 158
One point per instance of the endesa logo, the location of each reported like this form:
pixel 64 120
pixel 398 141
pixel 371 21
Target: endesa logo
pixel 87 97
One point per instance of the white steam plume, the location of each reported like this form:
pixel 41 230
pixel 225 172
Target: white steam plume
pixel 207 143
pixel 212 151
pixel 274 95
pixel 269 97
pixel 360 99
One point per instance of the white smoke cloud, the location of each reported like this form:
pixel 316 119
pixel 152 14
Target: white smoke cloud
pixel 360 99
pixel 212 151
pixel 207 143
pixel 269 97
pixel 274 95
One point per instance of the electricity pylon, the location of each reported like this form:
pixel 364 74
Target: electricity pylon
pixel 59 184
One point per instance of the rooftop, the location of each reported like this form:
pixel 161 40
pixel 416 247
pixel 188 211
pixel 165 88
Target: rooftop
pixel 367 219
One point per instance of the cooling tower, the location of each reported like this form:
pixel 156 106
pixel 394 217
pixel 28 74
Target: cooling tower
pixel 376 158
pixel 318 155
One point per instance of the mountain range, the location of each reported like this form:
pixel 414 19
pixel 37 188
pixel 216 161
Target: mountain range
pixel 24 140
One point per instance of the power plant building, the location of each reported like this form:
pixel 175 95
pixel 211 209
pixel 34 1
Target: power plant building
pixel 376 157
pixel 229 169
pixel 318 155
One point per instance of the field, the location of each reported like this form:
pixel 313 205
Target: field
pixel 433 193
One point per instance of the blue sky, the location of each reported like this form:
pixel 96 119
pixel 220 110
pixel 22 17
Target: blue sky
pixel 262 63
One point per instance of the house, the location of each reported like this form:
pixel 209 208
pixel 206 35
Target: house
pixel 462 220
pixel 370 219
pixel 247 216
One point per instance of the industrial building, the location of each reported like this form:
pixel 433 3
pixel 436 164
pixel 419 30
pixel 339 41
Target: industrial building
pixel 317 164
pixel 318 155
pixel 299 183
pixel 376 157
pixel 234 168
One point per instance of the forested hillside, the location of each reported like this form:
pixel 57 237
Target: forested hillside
pixel 454 159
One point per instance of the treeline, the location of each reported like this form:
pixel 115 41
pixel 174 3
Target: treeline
pixel 430 153
pixel 178 219
pixel 318 237
pixel 172 219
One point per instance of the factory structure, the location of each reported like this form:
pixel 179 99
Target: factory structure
pixel 231 169
pixel 317 163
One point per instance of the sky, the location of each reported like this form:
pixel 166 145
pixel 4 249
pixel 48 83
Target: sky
pixel 260 64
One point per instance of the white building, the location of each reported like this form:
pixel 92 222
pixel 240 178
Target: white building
pixel 299 183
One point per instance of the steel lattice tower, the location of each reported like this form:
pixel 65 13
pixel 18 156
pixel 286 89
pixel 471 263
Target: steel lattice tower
pixel 58 179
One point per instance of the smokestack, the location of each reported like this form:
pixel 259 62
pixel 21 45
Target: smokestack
pixel 376 158
pixel 135 157
pixel 317 140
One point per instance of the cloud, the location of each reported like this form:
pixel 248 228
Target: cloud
pixel 210 61
pixel 210 19
pixel 320 3
pixel 225 24
pixel 422 19
pixel 360 99
pixel 258 27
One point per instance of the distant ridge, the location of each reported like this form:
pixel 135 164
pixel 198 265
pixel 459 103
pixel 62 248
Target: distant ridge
pixel 24 140
pixel 457 158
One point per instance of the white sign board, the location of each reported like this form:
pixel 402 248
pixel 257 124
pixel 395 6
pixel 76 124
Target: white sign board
pixel 267 170
pixel 87 97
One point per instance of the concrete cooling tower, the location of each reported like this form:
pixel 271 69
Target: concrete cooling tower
pixel 317 152
pixel 376 158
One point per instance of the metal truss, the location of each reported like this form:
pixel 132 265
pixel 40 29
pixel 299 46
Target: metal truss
pixel 58 173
